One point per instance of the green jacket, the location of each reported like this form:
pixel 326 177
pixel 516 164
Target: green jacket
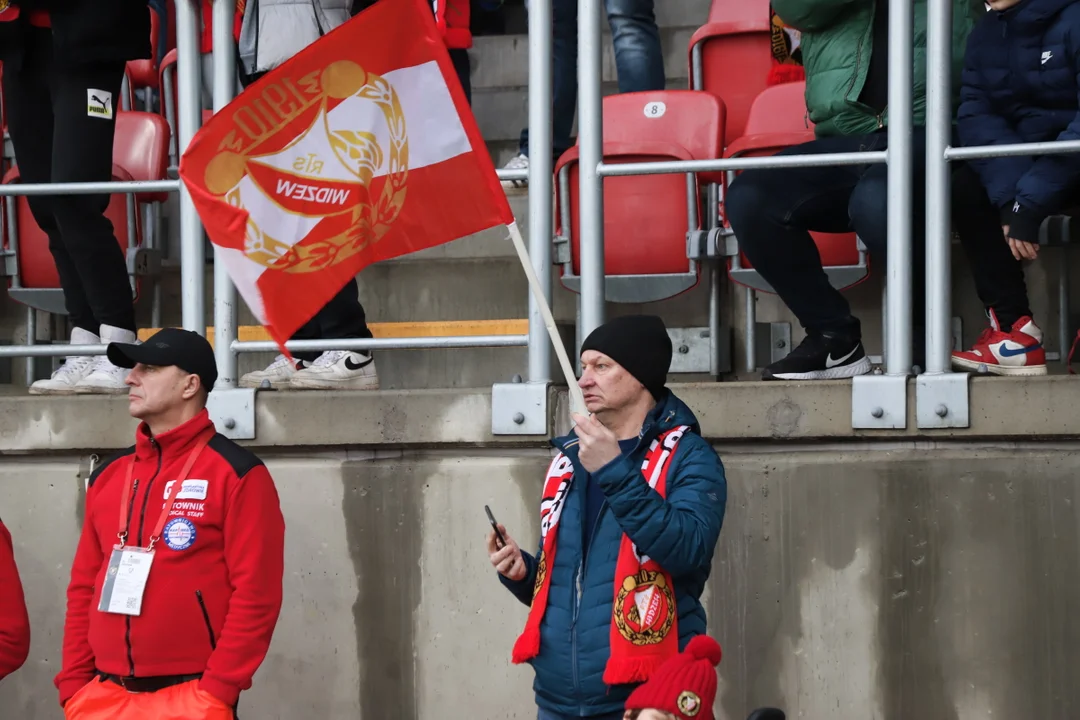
pixel 836 46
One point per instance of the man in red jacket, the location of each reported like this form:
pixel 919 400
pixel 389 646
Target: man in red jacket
pixel 176 585
pixel 14 622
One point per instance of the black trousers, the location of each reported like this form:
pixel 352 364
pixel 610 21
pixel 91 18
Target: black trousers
pixel 61 121
pixel 773 211
pixel 342 317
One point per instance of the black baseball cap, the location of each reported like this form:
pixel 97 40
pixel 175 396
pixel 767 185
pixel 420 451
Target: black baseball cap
pixel 185 349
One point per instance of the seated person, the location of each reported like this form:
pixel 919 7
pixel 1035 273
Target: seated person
pixel 1002 104
pixel 845 53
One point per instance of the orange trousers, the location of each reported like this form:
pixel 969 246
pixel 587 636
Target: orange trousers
pixel 104 700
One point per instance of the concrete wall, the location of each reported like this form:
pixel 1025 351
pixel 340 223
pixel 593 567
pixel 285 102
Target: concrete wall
pixel 858 581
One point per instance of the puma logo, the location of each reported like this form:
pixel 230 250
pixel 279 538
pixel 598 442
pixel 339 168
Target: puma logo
pixel 99 104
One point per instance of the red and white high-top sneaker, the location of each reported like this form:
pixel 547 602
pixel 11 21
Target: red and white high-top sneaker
pixel 1017 352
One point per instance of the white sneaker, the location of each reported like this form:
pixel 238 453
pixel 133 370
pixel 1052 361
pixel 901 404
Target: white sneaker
pixel 338 370
pixel 73 370
pixel 277 374
pixel 105 378
pixel 518 162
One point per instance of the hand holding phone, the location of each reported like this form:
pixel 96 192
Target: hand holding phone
pixel 504 553
pixel 495 526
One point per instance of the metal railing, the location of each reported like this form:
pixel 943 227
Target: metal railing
pixel 898 157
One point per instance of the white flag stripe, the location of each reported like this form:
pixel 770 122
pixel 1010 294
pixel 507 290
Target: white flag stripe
pixel 431 123
pixel 434 132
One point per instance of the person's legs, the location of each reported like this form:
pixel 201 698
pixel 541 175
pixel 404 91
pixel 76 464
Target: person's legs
pixel 639 59
pixel 82 152
pixel 85 103
pixel 999 277
pixel 342 317
pixel 28 103
pixel 26 89
pixel 1013 343
pixel 460 58
pixel 564 87
pixel 772 213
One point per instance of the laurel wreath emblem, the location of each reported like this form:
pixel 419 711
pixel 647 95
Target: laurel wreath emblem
pixel 646 636
pixel 360 153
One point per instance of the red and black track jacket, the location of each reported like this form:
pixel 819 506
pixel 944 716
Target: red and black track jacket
pixel 214 591
pixel 14 622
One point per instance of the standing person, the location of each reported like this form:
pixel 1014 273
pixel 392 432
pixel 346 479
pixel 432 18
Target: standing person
pixel 844 49
pixel 63 67
pixel 14 621
pixel 639 64
pixel 173 599
pixel 273 31
pixel 633 504
pixel 1000 105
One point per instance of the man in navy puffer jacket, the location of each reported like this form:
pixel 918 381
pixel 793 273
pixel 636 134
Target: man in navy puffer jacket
pixel 1020 84
pixel 635 500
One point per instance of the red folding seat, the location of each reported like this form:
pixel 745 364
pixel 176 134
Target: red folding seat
pixel 140 152
pixel 778 120
pixel 143 73
pixel 167 83
pixel 646 217
pixel 731 56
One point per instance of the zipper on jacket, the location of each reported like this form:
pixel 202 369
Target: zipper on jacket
pixel 206 618
pixel 139 541
pixel 127 618
pixel 858 58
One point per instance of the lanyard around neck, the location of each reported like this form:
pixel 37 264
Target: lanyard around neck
pixel 125 496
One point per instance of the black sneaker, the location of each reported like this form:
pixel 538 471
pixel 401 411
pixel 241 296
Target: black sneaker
pixel 821 356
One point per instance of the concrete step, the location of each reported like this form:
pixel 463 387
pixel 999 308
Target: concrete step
pixel 502 61
pixel 728 412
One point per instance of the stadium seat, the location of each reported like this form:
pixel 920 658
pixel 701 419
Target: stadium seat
pixel 167 83
pixel 730 57
pixel 777 120
pixel 140 152
pixel 144 73
pixel 646 217
pixel 36 282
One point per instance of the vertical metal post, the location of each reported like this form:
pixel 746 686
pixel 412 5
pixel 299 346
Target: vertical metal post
pixel 224 290
pixel 591 146
pixel 1064 336
pixel 711 221
pixel 31 339
pixel 880 401
pixel 898 341
pixel 938 176
pixel 189 118
pixel 941 396
pixel 541 180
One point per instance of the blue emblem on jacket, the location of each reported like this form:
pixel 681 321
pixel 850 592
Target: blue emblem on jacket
pixel 680 533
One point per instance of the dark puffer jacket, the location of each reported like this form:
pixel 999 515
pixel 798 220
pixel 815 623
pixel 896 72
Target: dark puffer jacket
pixel 680 532
pixel 1021 84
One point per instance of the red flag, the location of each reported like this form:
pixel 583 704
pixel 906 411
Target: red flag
pixel 360 148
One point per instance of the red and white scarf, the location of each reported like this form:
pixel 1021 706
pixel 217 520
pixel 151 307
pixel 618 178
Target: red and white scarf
pixel 643 617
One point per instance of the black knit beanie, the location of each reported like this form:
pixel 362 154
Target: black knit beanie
pixel 640 344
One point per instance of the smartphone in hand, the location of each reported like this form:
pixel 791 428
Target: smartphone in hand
pixel 495 526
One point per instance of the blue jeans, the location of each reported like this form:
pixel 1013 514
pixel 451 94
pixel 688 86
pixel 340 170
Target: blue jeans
pixel 543 714
pixel 639 60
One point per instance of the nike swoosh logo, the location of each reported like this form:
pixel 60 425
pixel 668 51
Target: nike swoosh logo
pixel 1006 351
pixel 830 363
pixel 350 365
